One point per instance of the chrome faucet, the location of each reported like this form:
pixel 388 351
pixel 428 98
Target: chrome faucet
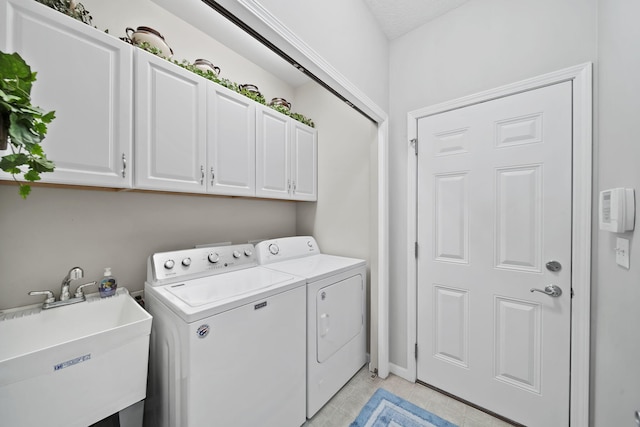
pixel 73 274
pixel 65 295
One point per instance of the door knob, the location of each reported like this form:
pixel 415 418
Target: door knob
pixel 554 266
pixel 551 290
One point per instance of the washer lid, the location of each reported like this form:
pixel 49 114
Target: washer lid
pixel 317 267
pixel 203 297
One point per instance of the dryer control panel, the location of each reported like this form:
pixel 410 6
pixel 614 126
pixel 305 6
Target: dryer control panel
pixel 275 250
pixel 167 267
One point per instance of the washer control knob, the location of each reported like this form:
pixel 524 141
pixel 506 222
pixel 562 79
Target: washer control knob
pixel 236 254
pixel 248 252
pixel 213 257
pixel 186 262
pixel 309 243
pixel 274 249
pixel 168 264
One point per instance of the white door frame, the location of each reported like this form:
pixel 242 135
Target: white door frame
pixel 581 76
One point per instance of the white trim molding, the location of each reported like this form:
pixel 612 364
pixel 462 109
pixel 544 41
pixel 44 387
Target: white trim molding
pixel 581 76
pixel 259 19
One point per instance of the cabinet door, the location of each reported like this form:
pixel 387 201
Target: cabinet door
pixel 273 135
pixel 231 153
pixel 170 105
pixel 304 169
pixel 86 77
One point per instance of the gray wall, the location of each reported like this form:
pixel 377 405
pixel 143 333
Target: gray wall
pixel 616 291
pixel 343 214
pixel 57 228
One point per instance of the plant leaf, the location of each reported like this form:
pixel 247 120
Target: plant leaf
pixel 11 162
pixel 20 131
pixel 36 150
pixel 24 190
pixel 27 123
pixel 13 65
pixel 8 98
pixel 41 164
pixel 47 118
pixel 32 175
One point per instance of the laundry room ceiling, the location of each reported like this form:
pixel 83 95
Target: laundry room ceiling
pixel 398 17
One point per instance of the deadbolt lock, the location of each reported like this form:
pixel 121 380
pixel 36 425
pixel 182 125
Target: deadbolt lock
pixel 554 266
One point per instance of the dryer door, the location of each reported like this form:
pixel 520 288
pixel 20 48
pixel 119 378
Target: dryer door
pixel 340 315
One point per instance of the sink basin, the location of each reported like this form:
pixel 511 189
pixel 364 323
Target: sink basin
pixel 73 365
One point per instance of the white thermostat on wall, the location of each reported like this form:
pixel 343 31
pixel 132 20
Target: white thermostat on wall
pixel 617 210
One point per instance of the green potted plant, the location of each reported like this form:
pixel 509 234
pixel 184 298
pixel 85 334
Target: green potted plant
pixel 22 125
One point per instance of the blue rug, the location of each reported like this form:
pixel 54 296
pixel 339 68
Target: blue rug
pixel 385 409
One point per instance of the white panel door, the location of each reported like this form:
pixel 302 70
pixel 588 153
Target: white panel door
pixel 86 77
pixel 170 105
pixel 304 172
pixel 273 156
pixel 231 152
pixel 494 206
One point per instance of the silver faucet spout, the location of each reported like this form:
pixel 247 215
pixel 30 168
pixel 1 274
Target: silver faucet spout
pixel 73 274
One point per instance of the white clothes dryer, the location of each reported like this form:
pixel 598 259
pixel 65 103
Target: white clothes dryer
pixel 227 342
pixel 336 312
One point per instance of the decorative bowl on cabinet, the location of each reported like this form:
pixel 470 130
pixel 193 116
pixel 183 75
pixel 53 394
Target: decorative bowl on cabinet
pixel 206 65
pixel 281 102
pixel 250 88
pixel 149 35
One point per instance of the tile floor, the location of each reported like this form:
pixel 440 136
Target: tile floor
pixel 345 406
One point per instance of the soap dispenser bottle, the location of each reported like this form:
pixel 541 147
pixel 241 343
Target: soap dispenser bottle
pixel 108 284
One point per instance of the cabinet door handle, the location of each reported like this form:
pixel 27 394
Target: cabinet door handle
pixel 213 176
pixel 124 165
pixel 201 175
pixel 288 186
pixel 294 187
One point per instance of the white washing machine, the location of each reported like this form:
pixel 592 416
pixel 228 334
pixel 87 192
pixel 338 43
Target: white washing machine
pixel 336 312
pixel 227 343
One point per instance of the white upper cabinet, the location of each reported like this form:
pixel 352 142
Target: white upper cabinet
pixel 273 154
pixel 286 157
pixel 231 155
pixel 304 166
pixel 84 75
pixel 192 135
pixel 170 105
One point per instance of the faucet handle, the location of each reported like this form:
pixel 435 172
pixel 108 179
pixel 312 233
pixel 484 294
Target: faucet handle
pixel 49 294
pixel 79 293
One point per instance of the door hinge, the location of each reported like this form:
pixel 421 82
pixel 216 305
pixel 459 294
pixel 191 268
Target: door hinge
pixel 572 293
pixel 416 351
pixel 416 249
pixel 414 142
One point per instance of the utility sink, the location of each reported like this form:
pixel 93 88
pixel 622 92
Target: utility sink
pixel 73 365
